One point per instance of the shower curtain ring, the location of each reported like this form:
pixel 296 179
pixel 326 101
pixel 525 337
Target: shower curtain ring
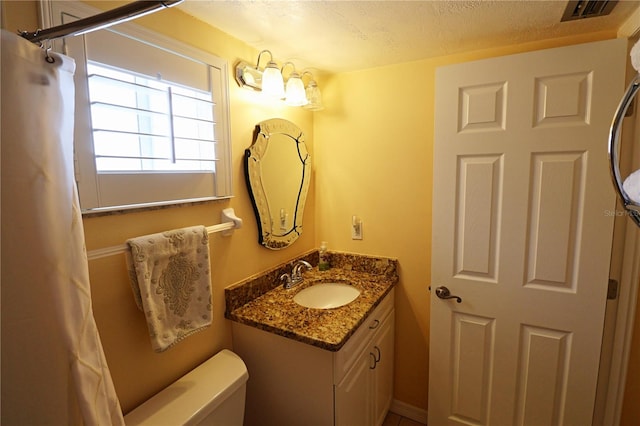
pixel 47 48
pixel 48 57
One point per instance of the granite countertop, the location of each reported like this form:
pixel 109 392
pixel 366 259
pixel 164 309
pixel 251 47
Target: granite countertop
pixel 264 303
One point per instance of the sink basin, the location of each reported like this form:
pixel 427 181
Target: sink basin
pixel 326 295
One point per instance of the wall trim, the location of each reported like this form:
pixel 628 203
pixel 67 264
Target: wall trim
pixel 409 411
pixel 45 14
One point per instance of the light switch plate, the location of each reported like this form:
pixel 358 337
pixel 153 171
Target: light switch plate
pixel 356 228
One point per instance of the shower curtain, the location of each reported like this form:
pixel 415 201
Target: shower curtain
pixel 53 366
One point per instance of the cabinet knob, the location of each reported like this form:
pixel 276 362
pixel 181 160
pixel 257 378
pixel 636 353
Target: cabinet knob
pixel 375 324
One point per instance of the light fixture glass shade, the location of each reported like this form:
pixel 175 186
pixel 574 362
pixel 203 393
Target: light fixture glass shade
pixel 272 82
pixel 295 93
pixel 314 97
pixel 248 76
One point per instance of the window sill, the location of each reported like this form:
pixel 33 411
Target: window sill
pixel 136 208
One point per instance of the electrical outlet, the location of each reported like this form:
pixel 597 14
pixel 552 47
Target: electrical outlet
pixel 356 228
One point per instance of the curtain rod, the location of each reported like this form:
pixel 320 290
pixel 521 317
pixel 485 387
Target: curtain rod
pixel 100 21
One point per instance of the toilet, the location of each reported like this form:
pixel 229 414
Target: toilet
pixel 211 394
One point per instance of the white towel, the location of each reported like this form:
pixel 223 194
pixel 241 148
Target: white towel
pixel 171 283
pixel 631 186
pixel 635 56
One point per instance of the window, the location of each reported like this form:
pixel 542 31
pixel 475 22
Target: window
pixel 152 122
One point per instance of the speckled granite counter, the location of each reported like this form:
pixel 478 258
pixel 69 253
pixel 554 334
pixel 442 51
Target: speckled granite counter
pixel 263 302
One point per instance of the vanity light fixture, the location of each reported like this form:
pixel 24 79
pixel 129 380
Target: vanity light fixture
pixel 294 90
pixel 270 82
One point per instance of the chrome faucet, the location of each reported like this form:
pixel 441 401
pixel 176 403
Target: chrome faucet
pixel 296 274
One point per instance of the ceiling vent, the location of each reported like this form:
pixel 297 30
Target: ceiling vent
pixel 582 9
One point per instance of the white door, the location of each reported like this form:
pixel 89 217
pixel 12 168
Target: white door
pixel 522 226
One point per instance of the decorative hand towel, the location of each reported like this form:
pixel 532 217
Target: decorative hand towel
pixel 631 186
pixel 171 284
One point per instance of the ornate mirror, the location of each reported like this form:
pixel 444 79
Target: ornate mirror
pixel 278 171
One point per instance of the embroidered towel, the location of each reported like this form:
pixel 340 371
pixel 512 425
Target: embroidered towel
pixel 171 284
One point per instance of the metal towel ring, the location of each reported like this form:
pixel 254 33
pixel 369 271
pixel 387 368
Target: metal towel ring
pixel 632 207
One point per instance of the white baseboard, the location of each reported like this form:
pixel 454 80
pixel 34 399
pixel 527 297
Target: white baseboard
pixel 409 411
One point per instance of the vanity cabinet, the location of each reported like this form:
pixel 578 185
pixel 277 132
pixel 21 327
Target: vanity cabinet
pixel 295 383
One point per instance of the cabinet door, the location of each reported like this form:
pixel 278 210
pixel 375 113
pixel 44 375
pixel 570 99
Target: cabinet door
pixel 383 371
pixel 353 396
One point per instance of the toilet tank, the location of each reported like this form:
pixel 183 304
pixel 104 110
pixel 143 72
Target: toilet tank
pixel 211 394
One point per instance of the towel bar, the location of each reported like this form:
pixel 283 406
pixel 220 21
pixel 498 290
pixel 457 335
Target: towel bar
pixel 229 222
pixel 630 206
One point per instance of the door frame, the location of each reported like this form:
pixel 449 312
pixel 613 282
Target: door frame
pixel 623 333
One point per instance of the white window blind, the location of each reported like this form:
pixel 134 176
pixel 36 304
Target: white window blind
pixel 140 124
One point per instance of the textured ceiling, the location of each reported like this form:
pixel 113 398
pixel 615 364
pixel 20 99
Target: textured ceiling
pixel 345 35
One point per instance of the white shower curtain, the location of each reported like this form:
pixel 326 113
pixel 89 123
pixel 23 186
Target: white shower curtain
pixel 53 366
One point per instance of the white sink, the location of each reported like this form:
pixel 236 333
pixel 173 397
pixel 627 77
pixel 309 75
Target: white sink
pixel 326 295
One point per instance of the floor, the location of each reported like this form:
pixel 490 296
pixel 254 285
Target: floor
pixel 394 419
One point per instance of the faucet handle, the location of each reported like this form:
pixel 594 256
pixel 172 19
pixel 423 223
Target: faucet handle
pixel 287 280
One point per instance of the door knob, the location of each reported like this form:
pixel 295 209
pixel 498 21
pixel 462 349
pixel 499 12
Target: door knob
pixel 443 293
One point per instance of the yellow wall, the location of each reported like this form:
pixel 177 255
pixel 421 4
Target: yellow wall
pixel 372 149
pixel 19 15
